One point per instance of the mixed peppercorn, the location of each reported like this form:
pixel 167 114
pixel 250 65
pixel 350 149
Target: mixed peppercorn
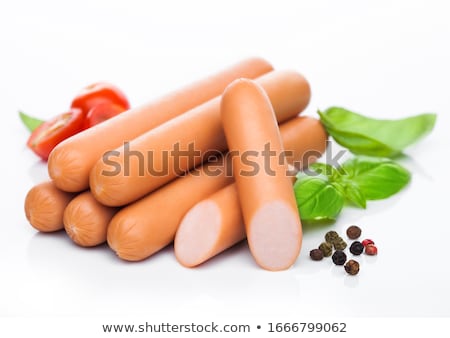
pixel 352 267
pixel 336 242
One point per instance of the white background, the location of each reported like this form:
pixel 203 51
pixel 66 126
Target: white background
pixel 382 58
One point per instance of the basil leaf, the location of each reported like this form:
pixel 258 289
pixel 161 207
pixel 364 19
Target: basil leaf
pixel 377 178
pixel 325 169
pixel 30 122
pixel 318 199
pixel 354 194
pixel 375 137
pixel 347 188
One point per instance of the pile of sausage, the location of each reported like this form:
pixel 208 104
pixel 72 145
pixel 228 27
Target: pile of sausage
pixel 236 110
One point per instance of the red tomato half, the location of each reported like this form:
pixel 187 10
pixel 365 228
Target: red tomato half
pixel 102 112
pixel 99 92
pixel 44 138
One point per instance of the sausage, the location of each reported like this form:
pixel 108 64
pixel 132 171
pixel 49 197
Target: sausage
pixel 71 160
pixel 44 206
pixel 210 227
pixel 149 224
pixel 271 219
pixel 147 162
pixel 86 220
pixel 215 223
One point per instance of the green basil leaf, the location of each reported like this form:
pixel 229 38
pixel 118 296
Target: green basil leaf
pixel 318 199
pixel 375 137
pixel 353 194
pixel 377 178
pixel 30 122
pixel 325 169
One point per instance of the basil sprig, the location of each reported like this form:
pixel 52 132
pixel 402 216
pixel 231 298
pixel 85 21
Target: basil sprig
pixel 30 122
pixel 318 198
pixel 323 190
pixel 377 178
pixel 375 137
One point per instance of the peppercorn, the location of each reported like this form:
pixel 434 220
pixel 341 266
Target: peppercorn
pixel 356 248
pixel 352 267
pixel 339 244
pixel 367 242
pixel 371 250
pixel 331 236
pixel 326 249
pixel 339 257
pixel 316 254
pixel 353 232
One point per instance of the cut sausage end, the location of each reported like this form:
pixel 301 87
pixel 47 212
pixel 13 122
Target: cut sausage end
pixel 275 236
pixel 197 234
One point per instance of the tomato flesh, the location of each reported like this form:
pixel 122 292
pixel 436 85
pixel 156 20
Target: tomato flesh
pixel 44 138
pixel 99 92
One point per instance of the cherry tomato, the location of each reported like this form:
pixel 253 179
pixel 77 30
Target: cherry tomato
pixel 102 112
pixel 99 92
pixel 45 137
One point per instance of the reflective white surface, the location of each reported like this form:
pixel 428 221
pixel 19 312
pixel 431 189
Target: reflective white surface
pixel 385 60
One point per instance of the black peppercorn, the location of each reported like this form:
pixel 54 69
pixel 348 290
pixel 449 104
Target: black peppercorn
pixel 356 248
pixel 339 257
pixel 352 267
pixel 331 236
pixel 316 254
pixel 326 249
pixel 353 232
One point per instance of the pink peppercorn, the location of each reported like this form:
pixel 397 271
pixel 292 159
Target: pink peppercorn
pixel 367 242
pixel 371 250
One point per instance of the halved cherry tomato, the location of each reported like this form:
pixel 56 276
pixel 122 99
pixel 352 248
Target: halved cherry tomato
pixel 45 137
pixel 102 112
pixel 99 92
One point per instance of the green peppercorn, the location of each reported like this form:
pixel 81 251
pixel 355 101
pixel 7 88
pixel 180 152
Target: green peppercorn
pixel 326 248
pixel 331 236
pixel 339 257
pixel 356 248
pixel 339 244
pixel 353 232
pixel 352 267
pixel 316 254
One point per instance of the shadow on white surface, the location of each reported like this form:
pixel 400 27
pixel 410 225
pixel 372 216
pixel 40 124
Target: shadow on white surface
pixel 228 282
